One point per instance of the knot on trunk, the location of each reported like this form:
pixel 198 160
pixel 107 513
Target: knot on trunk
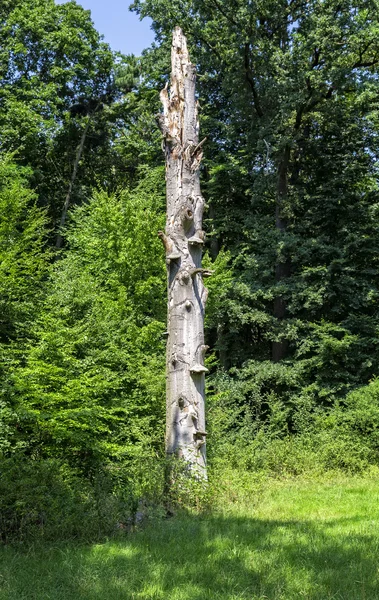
pixel 203 349
pixel 187 215
pixel 166 240
pixel 184 277
pixel 172 253
pixel 199 438
pixel 203 272
pixel 188 412
pixel 176 359
pixel 193 155
pixel 182 401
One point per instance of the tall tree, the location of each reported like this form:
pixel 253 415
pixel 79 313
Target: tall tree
pixel 183 241
pixel 288 92
pixel 56 77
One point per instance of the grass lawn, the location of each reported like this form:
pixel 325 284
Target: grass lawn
pixel 291 540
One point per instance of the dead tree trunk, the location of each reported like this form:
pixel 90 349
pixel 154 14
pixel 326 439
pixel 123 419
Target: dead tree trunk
pixel 183 240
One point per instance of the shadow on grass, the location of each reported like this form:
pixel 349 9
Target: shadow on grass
pixel 206 558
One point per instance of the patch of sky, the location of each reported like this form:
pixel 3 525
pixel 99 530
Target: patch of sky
pixel 121 28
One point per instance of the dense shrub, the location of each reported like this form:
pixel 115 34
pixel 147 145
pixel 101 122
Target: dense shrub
pixel 249 429
pixel 46 498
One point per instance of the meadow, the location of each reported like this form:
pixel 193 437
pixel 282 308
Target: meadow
pixel 314 539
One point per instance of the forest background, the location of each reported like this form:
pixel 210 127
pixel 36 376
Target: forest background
pixel 289 93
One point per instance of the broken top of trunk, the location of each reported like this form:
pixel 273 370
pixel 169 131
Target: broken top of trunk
pixel 183 239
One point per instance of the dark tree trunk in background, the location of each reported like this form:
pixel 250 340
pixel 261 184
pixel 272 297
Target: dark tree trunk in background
pixel 282 269
pixel 78 156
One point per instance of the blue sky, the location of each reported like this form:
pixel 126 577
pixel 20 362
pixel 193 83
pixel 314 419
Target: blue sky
pixel 121 28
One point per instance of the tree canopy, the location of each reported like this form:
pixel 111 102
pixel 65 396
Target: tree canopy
pixel 288 104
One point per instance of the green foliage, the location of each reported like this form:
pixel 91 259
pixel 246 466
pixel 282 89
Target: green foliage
pixel 39 497
pixel 284 89
pixel 249 425
pixel 288 97
pixel 87 398
pixel 92 386
pixel 47 498
pixel 22 257
pixel 23 271
pixel 59 80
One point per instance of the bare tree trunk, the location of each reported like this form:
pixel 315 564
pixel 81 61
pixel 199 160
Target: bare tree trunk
pixel 79 152
pixel 183 240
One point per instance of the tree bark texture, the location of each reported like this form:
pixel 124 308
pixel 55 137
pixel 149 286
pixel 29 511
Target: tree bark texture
pixel 183 240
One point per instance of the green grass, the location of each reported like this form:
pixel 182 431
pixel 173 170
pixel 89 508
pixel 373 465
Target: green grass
pixel 287 540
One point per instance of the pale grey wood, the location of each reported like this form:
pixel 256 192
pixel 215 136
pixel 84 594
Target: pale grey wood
pixel 183 240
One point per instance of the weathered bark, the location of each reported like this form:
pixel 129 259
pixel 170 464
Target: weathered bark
pixel 183 240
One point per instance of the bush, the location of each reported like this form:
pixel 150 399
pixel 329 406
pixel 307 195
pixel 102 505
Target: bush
pixel 342 437
pixel 48 499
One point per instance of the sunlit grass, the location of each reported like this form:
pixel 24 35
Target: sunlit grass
pixel 285 540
